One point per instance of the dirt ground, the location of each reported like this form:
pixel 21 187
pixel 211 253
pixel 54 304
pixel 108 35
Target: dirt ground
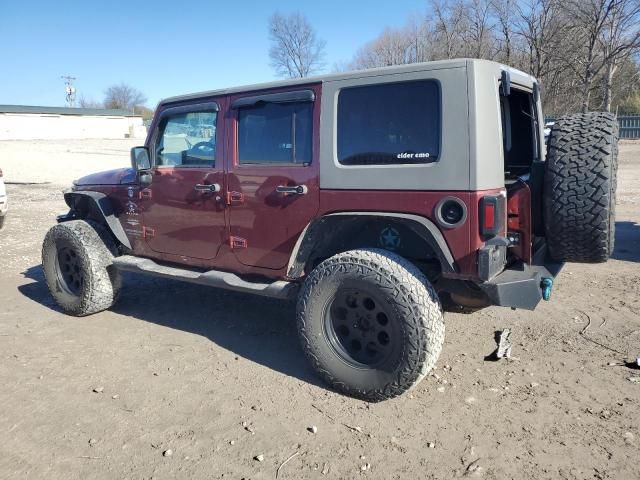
pixel 218 378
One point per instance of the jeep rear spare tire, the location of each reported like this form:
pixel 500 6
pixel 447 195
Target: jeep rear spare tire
pixel 580 187
pixel 370 323
pixel 77 262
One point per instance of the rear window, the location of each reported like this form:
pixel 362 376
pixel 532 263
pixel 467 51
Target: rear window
pixel 389 124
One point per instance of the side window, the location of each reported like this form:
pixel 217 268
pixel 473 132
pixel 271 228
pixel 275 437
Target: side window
pixel 389 124
pixel 187 139
pixel 272 133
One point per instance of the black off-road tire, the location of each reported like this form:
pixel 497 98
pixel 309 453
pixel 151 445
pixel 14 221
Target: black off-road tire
pixel 89 248
pixel 413 310
pixel 580 188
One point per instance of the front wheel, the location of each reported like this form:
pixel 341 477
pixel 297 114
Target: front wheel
pixel 370 323
pixel 77 262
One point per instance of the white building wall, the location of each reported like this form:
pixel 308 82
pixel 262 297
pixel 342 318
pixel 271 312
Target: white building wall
pixel 27 126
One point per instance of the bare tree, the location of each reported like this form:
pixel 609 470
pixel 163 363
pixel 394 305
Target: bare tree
pixel 478 33
pixel 584 52
pixel 145 112
pixel 420 36
pixel 123 96
pixel 397 46
pixel 620 38
pixel 504 13
pixel 88 103
pixel 392 47
pixel 449 26
pixel 591 18
pixel 296 50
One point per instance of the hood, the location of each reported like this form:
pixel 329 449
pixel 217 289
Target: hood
pixel 110 177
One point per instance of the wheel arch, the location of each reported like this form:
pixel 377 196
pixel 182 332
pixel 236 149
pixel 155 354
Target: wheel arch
pixel 98 207
pixel 337 232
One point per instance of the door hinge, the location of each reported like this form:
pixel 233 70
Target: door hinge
pixel 237 242
pixel 148 232
pixel 235 198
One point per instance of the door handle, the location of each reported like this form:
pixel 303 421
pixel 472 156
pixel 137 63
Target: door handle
pixel 294 189
pixel 209 188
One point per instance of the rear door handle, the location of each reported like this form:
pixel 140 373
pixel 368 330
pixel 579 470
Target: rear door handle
pixel 209 188
pixel 294 189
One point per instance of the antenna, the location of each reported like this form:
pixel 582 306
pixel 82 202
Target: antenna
pixel 70 90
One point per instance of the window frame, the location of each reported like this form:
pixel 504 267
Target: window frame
pixel 288 97
pixel 212 106
pixel 439 117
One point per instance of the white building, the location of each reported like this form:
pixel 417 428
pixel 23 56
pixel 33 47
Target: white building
pixel 24 122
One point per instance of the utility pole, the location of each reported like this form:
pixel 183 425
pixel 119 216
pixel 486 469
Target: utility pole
pixel 70 90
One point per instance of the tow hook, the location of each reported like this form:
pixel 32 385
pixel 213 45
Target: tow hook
pixel 546 285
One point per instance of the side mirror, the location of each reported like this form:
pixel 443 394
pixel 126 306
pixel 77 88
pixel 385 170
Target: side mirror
pixel 140 160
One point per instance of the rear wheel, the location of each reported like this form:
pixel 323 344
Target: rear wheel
pixel 370 323
pixel 580 187
pixel 77 262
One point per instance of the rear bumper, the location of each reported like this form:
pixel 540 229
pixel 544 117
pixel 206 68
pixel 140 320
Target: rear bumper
pixel 521 285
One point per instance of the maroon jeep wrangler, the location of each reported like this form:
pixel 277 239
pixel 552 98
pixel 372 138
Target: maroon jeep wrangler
pixel 377 198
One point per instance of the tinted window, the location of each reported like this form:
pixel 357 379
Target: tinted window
pixel 187 139
pixel 397 123
pixel 275 133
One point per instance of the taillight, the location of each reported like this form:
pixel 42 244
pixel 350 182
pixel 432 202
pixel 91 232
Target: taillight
pixel 491 213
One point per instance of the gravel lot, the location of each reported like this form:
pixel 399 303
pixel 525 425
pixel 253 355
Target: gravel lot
pixel 59 162
pixel 218 377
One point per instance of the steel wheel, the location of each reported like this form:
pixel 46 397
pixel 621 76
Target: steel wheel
pixel 69 270
pixel 359 328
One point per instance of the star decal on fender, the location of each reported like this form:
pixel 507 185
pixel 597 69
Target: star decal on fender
pixel 389 238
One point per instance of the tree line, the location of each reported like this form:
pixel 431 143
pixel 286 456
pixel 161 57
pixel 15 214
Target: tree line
pixel 121 97
pixel 584 52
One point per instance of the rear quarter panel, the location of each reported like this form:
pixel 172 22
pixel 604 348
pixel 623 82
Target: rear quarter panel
pixel 463 241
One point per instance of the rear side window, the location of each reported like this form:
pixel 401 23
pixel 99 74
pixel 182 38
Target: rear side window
pixel 389 124
pixel 275 133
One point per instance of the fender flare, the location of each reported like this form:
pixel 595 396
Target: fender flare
pixel 100 207
pixel 313 235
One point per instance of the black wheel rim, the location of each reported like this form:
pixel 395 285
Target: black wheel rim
pixel 360 328
pixel 69 270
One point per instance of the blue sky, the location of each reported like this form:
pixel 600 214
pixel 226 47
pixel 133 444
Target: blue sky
pixel 163 47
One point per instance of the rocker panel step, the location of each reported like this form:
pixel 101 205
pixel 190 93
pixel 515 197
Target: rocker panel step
pixel 213 278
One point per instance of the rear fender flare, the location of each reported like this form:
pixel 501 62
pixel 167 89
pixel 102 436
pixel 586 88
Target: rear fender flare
pixel 99 207
pixel 317 232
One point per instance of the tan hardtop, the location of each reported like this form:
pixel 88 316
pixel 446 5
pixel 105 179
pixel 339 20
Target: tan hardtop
pixel 517 77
